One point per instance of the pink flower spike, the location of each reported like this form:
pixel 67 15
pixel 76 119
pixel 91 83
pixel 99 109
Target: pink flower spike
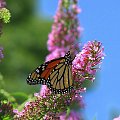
pixel 65 30
pixel 15 111
pixel 76 8
pixel 1 53
pixel 44 90
pixel 0 110
pixel 86 62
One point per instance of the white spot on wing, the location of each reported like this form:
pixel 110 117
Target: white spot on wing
pixel 37 70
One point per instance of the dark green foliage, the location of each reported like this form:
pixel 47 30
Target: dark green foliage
pixel 24 49
pixel 21 10
pixel 24 42
pixel 87 84
pixel 1 82
pixel 6 111
pixel 4 95
pixel 20 97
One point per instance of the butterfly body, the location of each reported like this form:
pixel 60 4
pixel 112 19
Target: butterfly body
pixel 56 74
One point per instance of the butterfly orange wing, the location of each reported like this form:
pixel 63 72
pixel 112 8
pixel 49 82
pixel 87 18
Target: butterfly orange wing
pixel 41 73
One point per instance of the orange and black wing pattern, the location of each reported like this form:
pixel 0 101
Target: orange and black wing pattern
pixel 56 74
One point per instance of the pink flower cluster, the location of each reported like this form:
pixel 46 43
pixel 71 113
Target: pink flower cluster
pixel 86 62
pixel 1 54
pixel 2 3
pixel 65 30
pixel 31 110
pixel 72 116
pixel 47 106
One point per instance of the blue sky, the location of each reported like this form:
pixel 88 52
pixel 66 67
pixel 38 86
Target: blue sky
pixel 100 20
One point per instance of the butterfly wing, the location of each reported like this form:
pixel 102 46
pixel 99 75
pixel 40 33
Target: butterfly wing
pixel 61 79
pixel 41 73
pixel 56 74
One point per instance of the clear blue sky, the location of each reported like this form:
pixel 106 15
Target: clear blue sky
pixel 100 20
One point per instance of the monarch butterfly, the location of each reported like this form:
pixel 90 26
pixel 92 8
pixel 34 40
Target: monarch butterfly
pixel 56 74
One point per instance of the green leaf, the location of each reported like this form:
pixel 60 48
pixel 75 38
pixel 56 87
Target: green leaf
pixel 30 98
pixel 20 97
pixel 6 96
pixel 6 118
pixel 1 81
pixel 68 111
pixel 66 3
